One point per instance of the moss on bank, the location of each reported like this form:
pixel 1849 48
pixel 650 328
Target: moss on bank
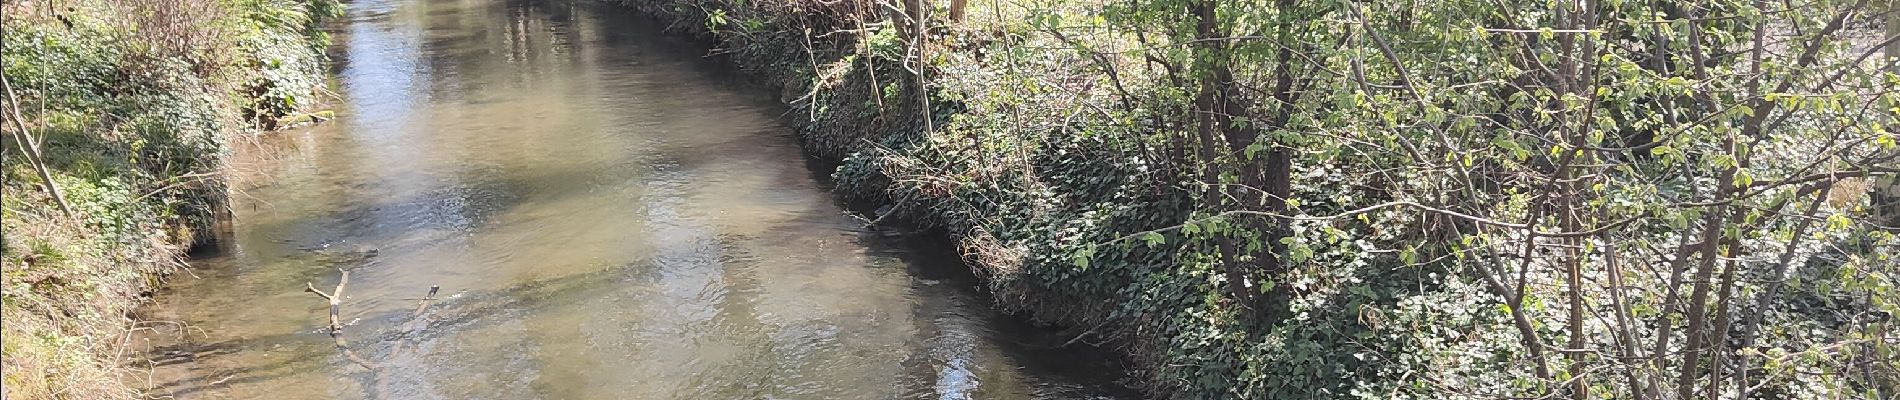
pixel 131 103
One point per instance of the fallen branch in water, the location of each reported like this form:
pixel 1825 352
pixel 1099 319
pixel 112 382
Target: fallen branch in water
pixel 416 323
pixel 335 297
pixel 376 385
pixel 423 305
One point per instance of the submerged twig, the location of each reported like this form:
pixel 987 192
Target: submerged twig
pixel 335 297
pixel 423 305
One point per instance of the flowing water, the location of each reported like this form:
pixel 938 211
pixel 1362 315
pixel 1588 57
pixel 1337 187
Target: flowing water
pixel 608 216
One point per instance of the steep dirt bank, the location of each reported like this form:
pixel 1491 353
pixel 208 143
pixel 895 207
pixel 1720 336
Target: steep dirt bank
pixel 130 105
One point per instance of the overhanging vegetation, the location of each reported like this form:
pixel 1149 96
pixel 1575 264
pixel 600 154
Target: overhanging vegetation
pixel 1293 199
pixel 125 108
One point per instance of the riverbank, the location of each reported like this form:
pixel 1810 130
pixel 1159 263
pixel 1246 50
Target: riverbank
pixel 1018 189
pixel 131 105
pixel 1124 171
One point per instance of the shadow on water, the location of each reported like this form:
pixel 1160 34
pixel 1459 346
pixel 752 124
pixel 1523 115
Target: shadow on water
pixel 954 316
pixel 609 215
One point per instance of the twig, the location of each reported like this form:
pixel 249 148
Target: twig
pixel 1084 334
pixel 32 149
pixel 1400 203
pixel 1508 30
pixel 177 181
pixel 335 297
pixel 426 299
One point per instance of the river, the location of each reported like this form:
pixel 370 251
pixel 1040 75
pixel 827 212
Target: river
pixel 609 216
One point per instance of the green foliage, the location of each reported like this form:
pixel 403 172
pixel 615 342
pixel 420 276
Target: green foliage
pixel 285 53
pixel 1427 141
pixel 132 103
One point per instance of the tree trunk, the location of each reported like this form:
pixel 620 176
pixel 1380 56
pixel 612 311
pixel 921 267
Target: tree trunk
pixel 1213 124
pixel 1886 191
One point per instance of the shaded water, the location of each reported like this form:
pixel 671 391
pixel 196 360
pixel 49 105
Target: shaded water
pixel 607 220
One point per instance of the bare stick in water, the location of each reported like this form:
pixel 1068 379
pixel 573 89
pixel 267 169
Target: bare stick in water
pixel 424 304
pixel 335 297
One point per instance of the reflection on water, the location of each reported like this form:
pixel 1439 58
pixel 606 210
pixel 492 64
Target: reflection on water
pixel 607 220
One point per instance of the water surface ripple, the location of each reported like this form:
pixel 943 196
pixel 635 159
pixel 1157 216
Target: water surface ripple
pixel 608 217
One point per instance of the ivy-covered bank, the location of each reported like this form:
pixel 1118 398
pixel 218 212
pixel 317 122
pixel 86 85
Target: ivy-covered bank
pixel 1292 199
pixel 126 106
pixel 1028 195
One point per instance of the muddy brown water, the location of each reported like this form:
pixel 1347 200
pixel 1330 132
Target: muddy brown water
pixel 609 217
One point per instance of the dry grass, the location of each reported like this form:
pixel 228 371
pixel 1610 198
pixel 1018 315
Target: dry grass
pixel 988 256
pixel 67 297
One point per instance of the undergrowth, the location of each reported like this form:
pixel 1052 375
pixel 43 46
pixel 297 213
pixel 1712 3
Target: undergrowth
pixel 1049 171
pixel 131 103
